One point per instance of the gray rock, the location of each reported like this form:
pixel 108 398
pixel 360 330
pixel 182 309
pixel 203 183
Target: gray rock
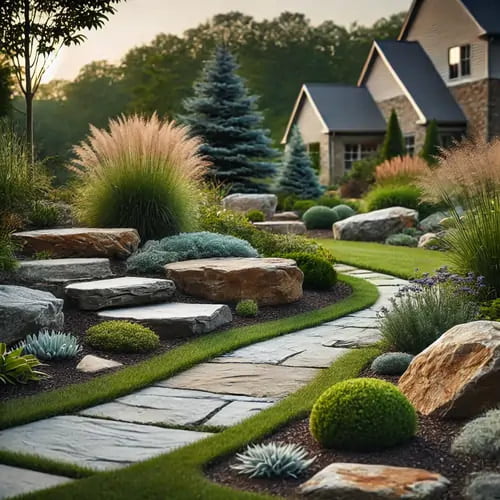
pixel 344 481
pixel 15 482
pixel 240 202
pixel 120 292
pixel 282 227
pixel 24 311
pixel 432 224
pixel 93 364
pixel 484 486
pixel 284 216
pixel 96 443
pixel 175 319
pixel 375 226
pixel 235 412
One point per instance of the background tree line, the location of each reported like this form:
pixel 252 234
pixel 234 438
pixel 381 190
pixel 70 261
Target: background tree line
pixel 276 56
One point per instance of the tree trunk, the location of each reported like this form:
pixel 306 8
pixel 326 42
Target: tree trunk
pixel 28 95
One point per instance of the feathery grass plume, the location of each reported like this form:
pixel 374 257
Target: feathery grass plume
pixel 143 173
pixel 469 176
pixel 400 170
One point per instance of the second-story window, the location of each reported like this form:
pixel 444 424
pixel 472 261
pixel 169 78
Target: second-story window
pixel 459 61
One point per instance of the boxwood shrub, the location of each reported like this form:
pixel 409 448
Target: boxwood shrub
pixel 319 274
pixel 320 218
pixel 247 308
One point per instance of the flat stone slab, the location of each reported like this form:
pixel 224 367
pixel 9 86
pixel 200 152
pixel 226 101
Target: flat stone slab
pixel 353 338
pixel 15 481
pixel 120 292
pixel 96 443
pixel 353 322
pixel 117 243
pixel 282 227
pixel 193 394
pixel 175 319
pixel 315 357
pixel 24 311
pixel 247 379
pixel 285 216
pixel 235 412
pixel 94 364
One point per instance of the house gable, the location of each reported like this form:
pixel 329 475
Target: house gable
pixel 381 82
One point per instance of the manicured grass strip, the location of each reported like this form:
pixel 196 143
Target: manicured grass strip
pixel 107 387
pixel 398 261
pixel 179 475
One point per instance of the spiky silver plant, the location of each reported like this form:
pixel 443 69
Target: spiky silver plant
pixel 273 460
pixel 51 345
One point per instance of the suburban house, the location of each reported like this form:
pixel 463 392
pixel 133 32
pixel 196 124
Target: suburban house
pixel 445 66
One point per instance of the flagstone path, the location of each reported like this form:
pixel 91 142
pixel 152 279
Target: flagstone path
pixel 178 411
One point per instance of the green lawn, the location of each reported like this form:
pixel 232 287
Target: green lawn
pixel 398 261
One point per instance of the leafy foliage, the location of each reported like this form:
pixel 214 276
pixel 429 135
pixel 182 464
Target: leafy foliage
pixel 8 260
pixel 44 215
pixel 297 175
pixel 319 274
pixel 122 336
pixel 431 149
pixel 480 437
pixel 391 363
pixel 319 217
pixel 393 143
pixel 393 196
pixel 402 240
pixel 247 308
pixel 223 113
pixel 187 246
pixel 273 460
pixel 16 368
pixel 491 310
pixel 51 345
pixel 302 206
pixel 142 173
pixel 362 414
pixel 256 216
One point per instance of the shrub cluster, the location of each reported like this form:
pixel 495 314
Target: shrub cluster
pixel 491 310
pixel 320 217
pixel 122 336
pixel 256 216
pixel 401 240
pixel 362 414
pixel 380 197
pixel 319 274
pixel 391 363
pixel 247 308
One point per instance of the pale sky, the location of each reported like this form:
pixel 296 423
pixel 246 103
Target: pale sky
pixel 137 22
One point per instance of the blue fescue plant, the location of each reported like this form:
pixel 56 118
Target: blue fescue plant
pixel 391 363
pixel 51 345
pixel 273 460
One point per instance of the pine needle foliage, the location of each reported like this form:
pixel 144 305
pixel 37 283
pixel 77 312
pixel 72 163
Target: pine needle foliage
pixel 142 173
pixel 431 149
pixel 226 116
pixel 297 174
pixel 393 143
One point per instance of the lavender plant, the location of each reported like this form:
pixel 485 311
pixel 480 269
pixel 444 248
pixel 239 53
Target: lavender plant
pixel 429 306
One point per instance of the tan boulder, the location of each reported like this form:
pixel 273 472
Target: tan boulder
pixel 117 243
pixel 285 216
pixel 282 227
pixel 269 281
pixel 457 376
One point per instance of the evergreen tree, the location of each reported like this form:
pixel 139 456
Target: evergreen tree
pixel 430 150
pixel 394 144
pixel 225 116
pixel 297 175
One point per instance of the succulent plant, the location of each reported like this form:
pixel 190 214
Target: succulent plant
pixel 273 460
pixel 51 345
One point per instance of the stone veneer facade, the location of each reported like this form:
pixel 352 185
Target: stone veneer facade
pixel 494 108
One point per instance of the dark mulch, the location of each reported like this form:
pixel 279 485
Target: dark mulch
pixel 63 373
pixel 429 450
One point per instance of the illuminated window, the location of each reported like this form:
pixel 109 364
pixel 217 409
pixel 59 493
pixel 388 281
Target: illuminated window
pixel 459 61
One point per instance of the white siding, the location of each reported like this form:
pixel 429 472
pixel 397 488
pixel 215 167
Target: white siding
pixel 381 82
pixel 308 122
pixel 441 24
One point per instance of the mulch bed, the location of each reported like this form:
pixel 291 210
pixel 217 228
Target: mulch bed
pixel 429 450
pixel 63 373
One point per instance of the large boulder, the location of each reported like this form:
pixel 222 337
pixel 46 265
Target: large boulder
pixel 118 243
pixel 376 225
pixel 282 227
pixel 269 281
pixel 242 203
pixel 285 216
pixel 24 311
pixel 344 481
pixel 432 223
pixel 458 376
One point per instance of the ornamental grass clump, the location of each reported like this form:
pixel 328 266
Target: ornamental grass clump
pixel 143 173
pixel 400 170
pixel 428 307
pixel 468 176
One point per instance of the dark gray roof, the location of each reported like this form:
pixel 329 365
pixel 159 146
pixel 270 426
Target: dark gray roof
pixel 421 80
pixel 486 13
pixel 346 108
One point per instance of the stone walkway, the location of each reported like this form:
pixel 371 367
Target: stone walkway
pixel 179 410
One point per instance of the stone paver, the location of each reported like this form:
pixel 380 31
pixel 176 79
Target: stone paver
pixel 15 481
pixel 95 443
pixel 236 412
pixel 317 357
pixel 353 337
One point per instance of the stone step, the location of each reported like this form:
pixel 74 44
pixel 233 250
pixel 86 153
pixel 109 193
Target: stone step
pixel 175 319
pixel 115 243
pixel 120 292
pixel 55 274
pixel 282 227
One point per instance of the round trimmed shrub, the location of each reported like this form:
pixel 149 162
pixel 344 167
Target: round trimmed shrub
pixel 343 212
pixel 393 196
pixel 392 363
pixel 319 274
pixel 247 308
pixel 320 217
pixel 362 414
pixel 255 216
pixel 122 336
pixel 401 240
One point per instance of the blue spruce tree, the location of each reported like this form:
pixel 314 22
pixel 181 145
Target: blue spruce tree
pixel 297 175
pixel 225 116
